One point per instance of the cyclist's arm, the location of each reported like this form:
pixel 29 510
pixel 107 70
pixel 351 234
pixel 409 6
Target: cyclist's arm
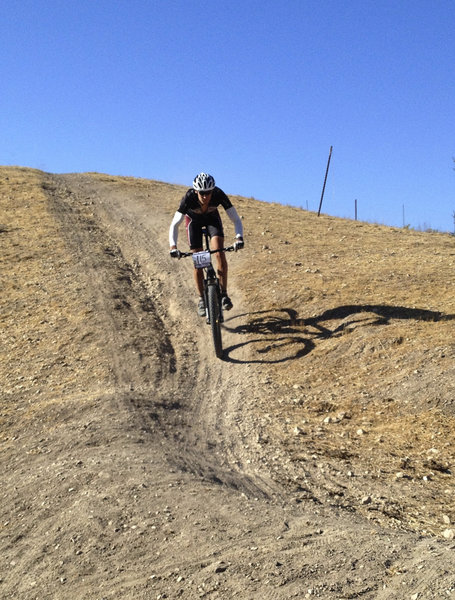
pixel 174 229
pixel 233 215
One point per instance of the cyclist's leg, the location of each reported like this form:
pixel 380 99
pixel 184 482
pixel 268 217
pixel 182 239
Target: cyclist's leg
pixel 199 277
pixel 215 229
pixel 194 233
pixel 216 243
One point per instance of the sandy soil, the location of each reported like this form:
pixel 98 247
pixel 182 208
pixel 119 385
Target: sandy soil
pixel 315 460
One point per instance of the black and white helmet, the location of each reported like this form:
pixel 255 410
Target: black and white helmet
pixel 203 183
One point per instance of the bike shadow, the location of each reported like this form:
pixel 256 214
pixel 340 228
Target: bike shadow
pixel 281 332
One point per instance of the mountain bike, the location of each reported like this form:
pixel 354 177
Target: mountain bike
pixel 212 289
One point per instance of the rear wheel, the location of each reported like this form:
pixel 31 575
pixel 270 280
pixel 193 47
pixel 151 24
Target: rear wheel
pixel 214 309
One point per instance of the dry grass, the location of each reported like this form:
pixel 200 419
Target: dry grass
pixel 41 311
pixel 356 321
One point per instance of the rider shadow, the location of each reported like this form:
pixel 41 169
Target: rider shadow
pixel 283 336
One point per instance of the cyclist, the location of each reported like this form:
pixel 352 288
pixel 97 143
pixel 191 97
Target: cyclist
pixel 199 208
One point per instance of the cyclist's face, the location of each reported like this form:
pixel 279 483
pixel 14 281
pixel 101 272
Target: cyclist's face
pixel 204 196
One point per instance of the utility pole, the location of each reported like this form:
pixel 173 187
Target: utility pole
pixel 355 209
pixel 325 179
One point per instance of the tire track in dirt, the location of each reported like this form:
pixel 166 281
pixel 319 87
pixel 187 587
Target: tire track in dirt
pixel 126 311
pixel 128 283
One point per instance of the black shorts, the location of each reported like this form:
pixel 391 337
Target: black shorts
pixel 194 228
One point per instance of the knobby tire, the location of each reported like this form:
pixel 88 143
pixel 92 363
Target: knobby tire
pixel 214 309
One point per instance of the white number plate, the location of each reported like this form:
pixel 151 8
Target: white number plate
pixel 201 259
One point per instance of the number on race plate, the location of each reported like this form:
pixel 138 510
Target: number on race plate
pixel 201 259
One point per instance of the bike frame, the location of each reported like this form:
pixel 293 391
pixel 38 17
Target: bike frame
pixel 212 289
pixel 210 276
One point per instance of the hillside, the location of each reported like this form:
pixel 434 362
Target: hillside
pixel 316 459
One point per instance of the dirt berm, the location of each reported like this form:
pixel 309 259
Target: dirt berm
pixel 315 460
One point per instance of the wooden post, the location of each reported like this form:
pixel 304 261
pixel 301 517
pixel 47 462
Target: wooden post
pixel 325 179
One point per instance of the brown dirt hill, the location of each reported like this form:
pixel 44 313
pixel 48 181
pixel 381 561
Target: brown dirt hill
pixel 315 459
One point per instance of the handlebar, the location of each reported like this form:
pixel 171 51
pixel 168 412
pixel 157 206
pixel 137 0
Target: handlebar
pixel 228 249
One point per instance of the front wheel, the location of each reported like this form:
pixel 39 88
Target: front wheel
pixel 214 310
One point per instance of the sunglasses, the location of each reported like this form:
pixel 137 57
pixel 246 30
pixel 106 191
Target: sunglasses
pixel 205 193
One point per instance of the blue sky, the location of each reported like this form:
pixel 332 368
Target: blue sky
pixel 253 91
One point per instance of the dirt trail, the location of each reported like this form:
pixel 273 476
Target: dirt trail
pixel 136 465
